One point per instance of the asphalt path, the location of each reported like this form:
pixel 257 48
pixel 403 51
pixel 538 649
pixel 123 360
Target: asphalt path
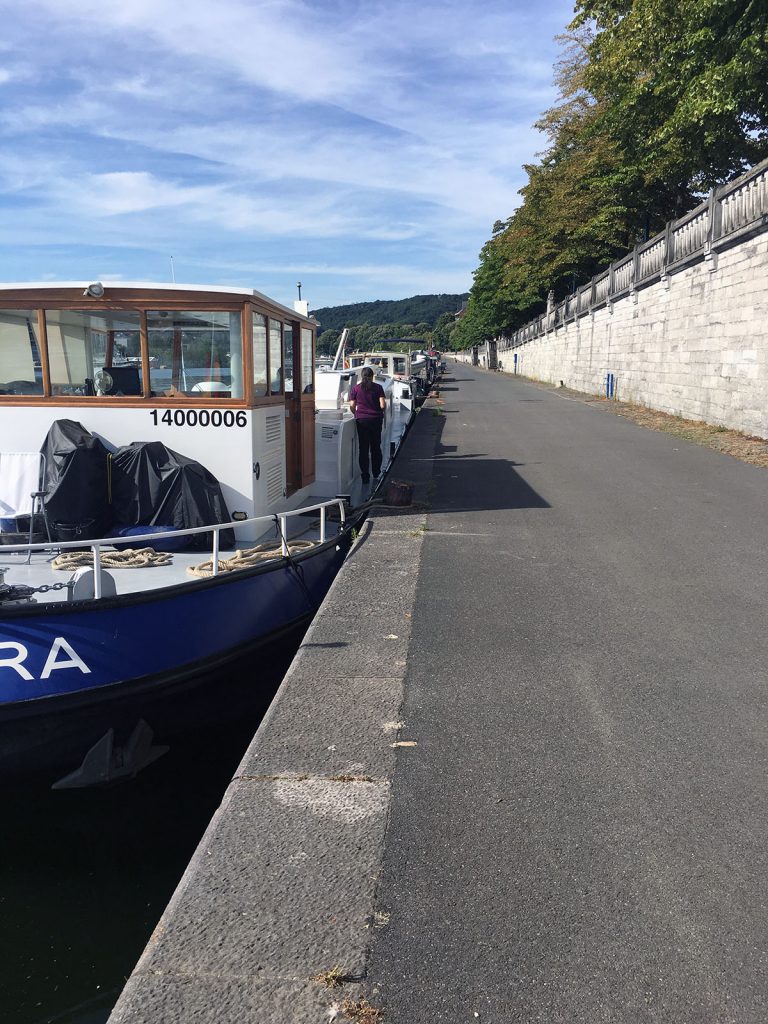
pixel 580 833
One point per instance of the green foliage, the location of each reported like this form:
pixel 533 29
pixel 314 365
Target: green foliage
pixel 420 310
pixel 685 86
pixel 441 336
pixel 327 343
pixel 370 323
pixel 469 330
pixel 660 100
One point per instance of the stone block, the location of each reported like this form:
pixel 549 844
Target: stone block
pixel 170 999
pixel 280 885
pixel 311 734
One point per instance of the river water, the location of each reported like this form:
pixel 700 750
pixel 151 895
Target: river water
pixel 86 874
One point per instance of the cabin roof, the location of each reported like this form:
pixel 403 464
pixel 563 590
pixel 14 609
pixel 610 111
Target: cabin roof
pixel 148 286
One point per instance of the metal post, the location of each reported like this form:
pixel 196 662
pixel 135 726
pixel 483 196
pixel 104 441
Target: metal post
pixel 95 548
pixel 216 534
pixel 322 525
pixel 283 541
pixel 338 362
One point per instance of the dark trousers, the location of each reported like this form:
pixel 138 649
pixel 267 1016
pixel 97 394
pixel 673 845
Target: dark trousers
pixel 369 440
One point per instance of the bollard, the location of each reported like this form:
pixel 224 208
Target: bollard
pixel 399 492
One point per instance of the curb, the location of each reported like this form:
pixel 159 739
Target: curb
pixel 274 917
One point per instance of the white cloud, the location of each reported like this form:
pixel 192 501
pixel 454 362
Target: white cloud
pixel 351 127
pixel 272 44
pixel 127 192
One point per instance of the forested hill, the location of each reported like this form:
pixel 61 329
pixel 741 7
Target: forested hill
pixel 418 309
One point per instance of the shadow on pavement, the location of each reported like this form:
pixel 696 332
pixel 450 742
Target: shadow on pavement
pixel 469 483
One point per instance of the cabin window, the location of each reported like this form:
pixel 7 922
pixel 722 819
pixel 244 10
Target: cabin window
pixel 288 346
pixel 195 353
pixel 399 364
pixel 259 355
pixel 93 354
pixel 307 361
pixel 275 357
pixel 20 372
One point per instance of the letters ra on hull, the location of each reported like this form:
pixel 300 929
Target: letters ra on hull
pixel 61 655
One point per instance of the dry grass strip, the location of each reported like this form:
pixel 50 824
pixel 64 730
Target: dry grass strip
pixel 741 446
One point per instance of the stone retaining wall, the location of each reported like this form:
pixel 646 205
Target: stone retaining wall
pixel 694 344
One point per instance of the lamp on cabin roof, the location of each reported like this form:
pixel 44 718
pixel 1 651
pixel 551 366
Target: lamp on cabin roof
pixel 95 290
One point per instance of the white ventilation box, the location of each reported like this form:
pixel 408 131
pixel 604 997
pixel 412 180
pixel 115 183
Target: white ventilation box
pixel 335 451
pixel 269 468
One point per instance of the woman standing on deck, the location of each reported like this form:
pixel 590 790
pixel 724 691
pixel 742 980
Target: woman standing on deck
pixel 367 403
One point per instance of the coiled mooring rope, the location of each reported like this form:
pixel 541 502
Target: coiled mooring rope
pixel 248 557
pixel 131 558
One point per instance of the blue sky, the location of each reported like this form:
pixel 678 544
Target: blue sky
pixel 362 148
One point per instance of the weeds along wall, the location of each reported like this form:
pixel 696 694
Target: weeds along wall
pixel 680 325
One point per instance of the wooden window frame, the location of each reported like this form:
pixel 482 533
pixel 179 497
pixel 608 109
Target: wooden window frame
pixel 156 299
pixel 269 313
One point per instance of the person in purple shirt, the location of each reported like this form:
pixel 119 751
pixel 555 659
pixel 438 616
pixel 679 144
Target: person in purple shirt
pixel 367 403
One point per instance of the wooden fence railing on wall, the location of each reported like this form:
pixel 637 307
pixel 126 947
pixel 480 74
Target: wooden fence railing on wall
pixel 731 213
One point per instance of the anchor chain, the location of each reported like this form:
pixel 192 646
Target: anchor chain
pixel 21 592
pixel 46 587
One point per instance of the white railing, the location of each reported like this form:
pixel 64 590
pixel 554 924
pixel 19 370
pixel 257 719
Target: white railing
pixel 732 210
pixel 602 288
pixel 689 234
pixel 745 203
pixel 622 275
pixel 651 258
pixel 280 519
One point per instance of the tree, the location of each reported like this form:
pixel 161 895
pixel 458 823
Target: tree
pixel 575 215
pixel 659 101
pixel 327 342
pixel 683 86
pixel 443 329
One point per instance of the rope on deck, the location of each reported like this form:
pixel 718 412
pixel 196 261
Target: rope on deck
pixel 248 557
pixel 130 558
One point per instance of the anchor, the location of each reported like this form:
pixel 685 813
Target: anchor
pixel 105 763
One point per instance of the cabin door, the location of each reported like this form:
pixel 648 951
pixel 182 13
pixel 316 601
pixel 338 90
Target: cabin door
pixel 299 407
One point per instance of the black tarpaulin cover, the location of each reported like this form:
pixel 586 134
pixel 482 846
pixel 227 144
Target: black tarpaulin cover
pixel 76 482
pixel 154 486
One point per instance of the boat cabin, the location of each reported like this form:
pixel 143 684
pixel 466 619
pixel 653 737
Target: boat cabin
pixel 394 364
pixel 222 375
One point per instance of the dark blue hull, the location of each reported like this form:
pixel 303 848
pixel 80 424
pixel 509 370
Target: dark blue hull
pixel 168 656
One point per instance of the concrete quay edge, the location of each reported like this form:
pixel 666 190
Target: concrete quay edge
pixel 281 891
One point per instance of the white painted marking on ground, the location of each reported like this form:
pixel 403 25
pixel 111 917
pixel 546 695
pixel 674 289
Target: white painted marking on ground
pixel 346 802
pixel 454 533
pixel 394 533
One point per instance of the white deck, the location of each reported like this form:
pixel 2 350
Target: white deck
pixel 40 571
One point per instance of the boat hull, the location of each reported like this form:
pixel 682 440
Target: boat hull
pixel 84 669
